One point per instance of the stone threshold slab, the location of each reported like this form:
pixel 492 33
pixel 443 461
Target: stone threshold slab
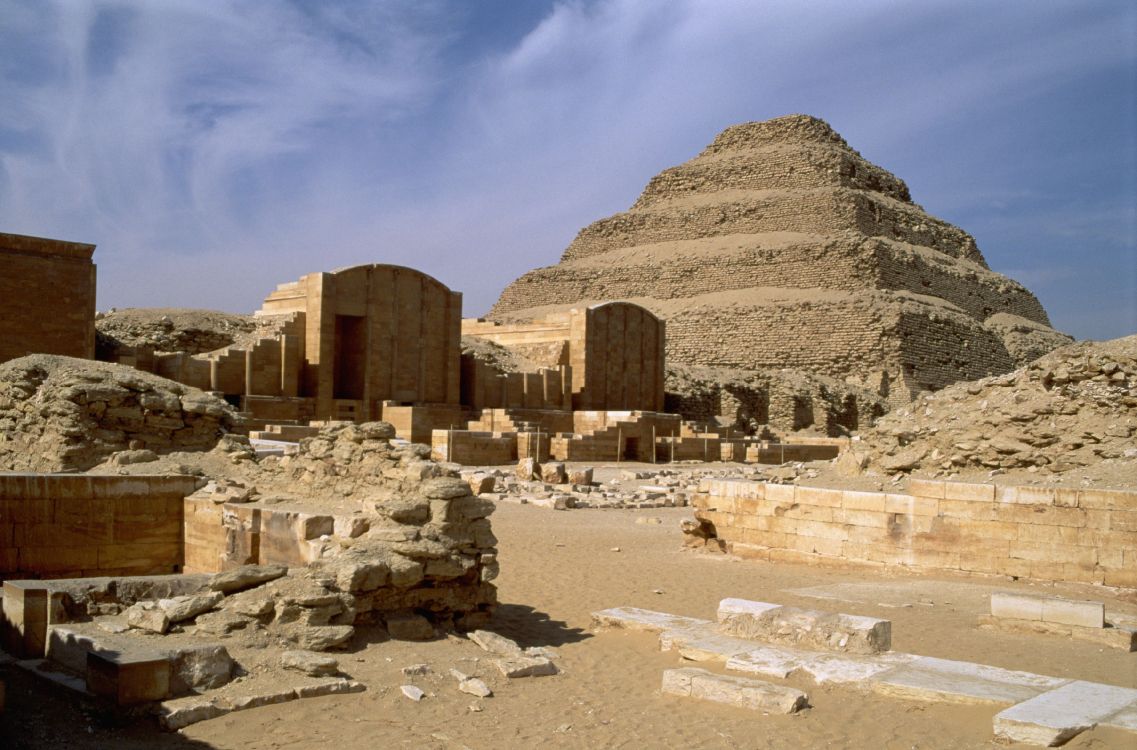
pixel 1055 717
pixel 182 712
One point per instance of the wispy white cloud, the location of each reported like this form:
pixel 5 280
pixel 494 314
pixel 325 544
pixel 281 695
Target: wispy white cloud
pixel 265 140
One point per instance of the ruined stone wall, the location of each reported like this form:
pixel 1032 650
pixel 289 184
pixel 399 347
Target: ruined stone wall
pixel 484 387
pixel 416 423
pixel 1042 533
pixel 47 297
pixel 73 525
pixel 473 448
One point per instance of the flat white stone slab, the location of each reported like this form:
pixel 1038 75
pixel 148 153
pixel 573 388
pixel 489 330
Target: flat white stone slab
pixel 743 692
pixel 634 618
pixel 942 680
pixel 781 662
pixel 729 607
pixel 1058 715
pixel 1126 718
pixel 703 643
pixel 1080 613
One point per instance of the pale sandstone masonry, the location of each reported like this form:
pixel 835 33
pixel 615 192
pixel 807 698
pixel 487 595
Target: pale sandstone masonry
pixel 1043 533
pixel 65 526
pixel 374 333
pixel 610 354
pixel 47 297
pixel 780 246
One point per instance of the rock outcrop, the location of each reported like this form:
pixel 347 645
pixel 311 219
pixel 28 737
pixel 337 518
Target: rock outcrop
pixel 779 247
pixel 65 414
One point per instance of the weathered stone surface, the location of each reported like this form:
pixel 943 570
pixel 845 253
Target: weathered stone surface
pixel 148 616
pixel 634 618
pixel 408 626
pixel 312 664
pixel 412 692
pixel 1056 716
pixel 322 637
pixel 185 607
pixel 736 691
pixel 807 628
pixel 203 667
pixel 246 577
pixel 494 643
pixel 182 712
pixel 942 680
pixel 474 686
pixel 330 687
pixel 553 472
pixel 520 665
pixel 581 476
pixel 527 469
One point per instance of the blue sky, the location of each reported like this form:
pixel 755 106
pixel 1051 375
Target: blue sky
pixel 215 149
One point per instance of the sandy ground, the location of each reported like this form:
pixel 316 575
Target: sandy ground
pixel 557 567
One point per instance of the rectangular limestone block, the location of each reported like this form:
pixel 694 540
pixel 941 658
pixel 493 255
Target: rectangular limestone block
pixel 25 618
pixel 1056 716
pixel 827 631
pixel 743 692
pixel 1085 614
pixel 945 681
pixel 128 678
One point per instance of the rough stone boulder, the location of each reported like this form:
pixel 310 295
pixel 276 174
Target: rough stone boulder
pixel 1071 408
pixel 171 330
pixel 65 414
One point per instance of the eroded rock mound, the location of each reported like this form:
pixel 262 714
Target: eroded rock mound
pixel 779 246
pixel 64 414
pixel 1069 409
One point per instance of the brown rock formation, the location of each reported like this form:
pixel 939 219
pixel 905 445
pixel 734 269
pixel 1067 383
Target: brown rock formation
pixel 779 246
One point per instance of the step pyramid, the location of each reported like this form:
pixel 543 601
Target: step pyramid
pixel 779 246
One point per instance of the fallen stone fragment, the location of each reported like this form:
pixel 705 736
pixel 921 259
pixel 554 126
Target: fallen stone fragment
pixel 525 666
pixel 203 667
pixel 181 712
pixel 416 669
pixel 494 643
pixel 312 664
pixel 743 692
pixel 412 692
pixel 330 687
pixel 147 616
pixel 185 607
pixel 220 623
pixel 246 577
pixel 475 686
pixel 1056 716
pixel 323 637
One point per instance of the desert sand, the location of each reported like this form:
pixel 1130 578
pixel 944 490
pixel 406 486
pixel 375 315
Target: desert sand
pixel 557 568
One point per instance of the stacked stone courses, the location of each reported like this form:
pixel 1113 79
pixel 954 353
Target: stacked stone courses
pixel 780 227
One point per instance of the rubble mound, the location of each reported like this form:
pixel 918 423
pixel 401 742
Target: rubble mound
pixel 779 246
pixel 1072 408
pixel 501 358
pixel 164 329
pixel 65 414
pixel 783 400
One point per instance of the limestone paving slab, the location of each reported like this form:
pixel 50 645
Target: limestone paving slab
pixel 703 643
pixel 253 693
pixel 943 680
pixel 781 662
pixel 1056 716
pixel 743 692
pixel 634 618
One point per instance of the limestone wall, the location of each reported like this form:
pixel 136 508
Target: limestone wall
pixel 375 333
pixel 1042 533
pixel 47 297
pixel 474 448
pixel 73 525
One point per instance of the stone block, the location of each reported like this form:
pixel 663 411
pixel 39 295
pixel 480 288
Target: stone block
pixel 1016 606
pixel 1056 716
pixel 932 488
pixel 25 618
pixel 971 492
pixel 942 680
pixel 128 678
pixel 1085 614
pixel 873 501
pixel 634 618
pixel 743 692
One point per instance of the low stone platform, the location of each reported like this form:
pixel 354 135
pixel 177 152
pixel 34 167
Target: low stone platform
pixel 1045 615
pixel 1038 709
